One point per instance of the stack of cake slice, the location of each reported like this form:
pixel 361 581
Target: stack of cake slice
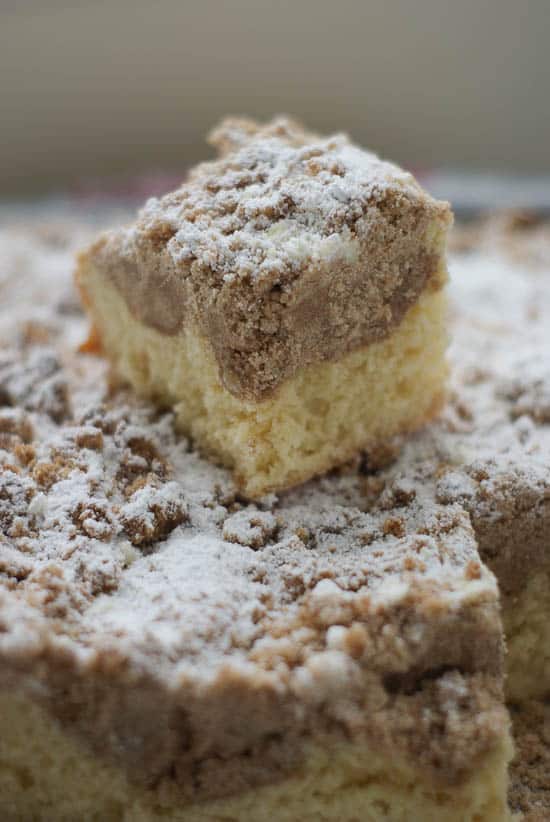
pixel 171 649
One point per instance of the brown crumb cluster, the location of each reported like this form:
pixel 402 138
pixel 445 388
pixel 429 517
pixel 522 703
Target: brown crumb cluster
pixel 251 528
pixel 522 235
pixel 528 396
pixel 33 381
pixel 106 482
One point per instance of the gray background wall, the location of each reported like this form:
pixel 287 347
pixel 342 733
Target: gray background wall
pixel 95 88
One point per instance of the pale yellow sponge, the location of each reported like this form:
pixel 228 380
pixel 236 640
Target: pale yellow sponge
pixel 47 775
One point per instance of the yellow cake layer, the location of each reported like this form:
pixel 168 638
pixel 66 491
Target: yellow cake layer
pixel 526 619
pixel 318 419
pixel 46 776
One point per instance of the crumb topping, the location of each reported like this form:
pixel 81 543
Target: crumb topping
pixel 277 198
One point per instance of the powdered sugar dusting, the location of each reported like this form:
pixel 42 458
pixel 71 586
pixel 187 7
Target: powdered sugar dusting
pixel 116 534
pixel 278 199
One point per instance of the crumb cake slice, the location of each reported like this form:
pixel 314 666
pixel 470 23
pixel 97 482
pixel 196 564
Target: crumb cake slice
pixel 490 452
pixel 504 292
pixel 167 653
pixel 287 301
pixel 170 652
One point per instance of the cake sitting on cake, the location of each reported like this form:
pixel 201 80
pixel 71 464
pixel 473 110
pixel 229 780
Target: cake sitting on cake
pixel 287 300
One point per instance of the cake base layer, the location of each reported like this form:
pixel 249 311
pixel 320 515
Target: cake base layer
pixel 527 630
pixel 45 775
pixel 320 418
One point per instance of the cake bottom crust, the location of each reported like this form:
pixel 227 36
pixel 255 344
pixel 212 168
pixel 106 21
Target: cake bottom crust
pixel 46 775
pixel 317 420
pixel 527 630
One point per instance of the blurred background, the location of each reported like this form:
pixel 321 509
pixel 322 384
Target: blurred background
pixel 107 89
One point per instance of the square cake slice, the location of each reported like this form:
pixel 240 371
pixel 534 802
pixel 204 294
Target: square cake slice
pixel 172 653
pixel 287 300
pixel 489 451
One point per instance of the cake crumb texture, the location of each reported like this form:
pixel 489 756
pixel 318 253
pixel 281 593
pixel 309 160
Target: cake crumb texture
pixel 46 777
pixel 319 419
